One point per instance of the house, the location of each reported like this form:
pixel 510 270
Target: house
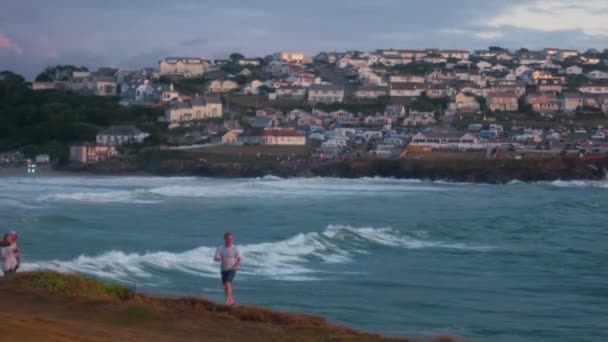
pixel 456 54
pixel 266 112
pixel 543 102
pixel 371 92
pixel 434 59
pixel 407 89
pixel 394 110
pixel 574 70
pixel 104 86
pixel 222 86
pixel 504 56
pixel 416 118
pixel 406 78
pixel 169 94
pixel 522 69
pixel 438 91
pixel 444 140
pixel 309 120
pixel 594 88
pixel 292 91
pixel 120 135
pixel 500 86
pixel 273 136
pixel 597 75
pixel 292 57
pixel 325 93
pixel 183 66
pixel 245 72
pixel 253 87
pixel 502 101
pixel 530 57
pixel 199 108
pixel 484 65
pixel 87 153
pixel 465 102
pixel 231 137
pixel 552 83
pixel 591 58
pixel 571 101
pixel 264 122
pixel 249 61
pixel 377 120
pixel 564 54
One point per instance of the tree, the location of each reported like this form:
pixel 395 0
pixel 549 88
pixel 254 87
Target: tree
pixel 497 49
pixel 44 77
pixel 235 57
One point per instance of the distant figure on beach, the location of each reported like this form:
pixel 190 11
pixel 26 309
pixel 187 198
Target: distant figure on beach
pixel 230 259
pixel 9 252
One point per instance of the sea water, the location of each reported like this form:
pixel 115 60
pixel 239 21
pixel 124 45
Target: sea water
pixel 516 262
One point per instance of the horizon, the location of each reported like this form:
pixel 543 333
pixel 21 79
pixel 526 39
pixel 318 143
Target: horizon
pixel 138 34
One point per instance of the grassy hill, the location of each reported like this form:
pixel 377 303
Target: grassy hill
pixel 49 306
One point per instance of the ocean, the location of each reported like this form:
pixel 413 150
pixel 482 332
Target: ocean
pixel 514 262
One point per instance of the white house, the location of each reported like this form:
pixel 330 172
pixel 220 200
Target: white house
pixel 574 70
pixel 598 75
pixel 119 135
pixel 442 140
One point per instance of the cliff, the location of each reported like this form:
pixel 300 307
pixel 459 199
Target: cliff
pixel 48 306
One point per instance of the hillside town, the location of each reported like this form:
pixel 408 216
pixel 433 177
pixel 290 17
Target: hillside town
pixel 387 103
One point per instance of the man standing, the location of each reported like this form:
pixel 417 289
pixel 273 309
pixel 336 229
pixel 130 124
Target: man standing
pixel 229 256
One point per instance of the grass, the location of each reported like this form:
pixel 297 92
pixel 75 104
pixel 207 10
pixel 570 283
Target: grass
pixel 77 285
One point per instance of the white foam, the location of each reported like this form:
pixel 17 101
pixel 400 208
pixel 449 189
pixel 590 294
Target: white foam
pixel 294 259
pixel 98 197
pixel 579 183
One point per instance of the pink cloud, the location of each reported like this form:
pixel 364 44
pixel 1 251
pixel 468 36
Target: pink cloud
pixel 7 43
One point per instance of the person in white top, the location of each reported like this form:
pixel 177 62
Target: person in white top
pixel 9 252
pixel 230 260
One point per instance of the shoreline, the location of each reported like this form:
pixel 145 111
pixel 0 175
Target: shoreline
pixel 457 171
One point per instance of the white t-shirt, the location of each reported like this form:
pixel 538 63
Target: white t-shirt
pixel 9 256
pixel 228 256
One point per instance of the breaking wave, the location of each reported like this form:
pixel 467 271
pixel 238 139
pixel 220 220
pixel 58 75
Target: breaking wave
pixel 293 259
pixel 157 191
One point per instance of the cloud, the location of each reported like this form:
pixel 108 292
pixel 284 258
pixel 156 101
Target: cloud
pixel 7 43
pixel 488 35
pixel 485 35
pixel 195 41
pixel 587 16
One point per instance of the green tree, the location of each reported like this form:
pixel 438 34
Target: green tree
pixel 235 57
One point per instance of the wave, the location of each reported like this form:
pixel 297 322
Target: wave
pixel 292 259
pixel 262 187
pixel 578 183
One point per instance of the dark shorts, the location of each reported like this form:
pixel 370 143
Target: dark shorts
pixel 227 276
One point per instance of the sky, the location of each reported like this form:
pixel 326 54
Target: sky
pixel 138 33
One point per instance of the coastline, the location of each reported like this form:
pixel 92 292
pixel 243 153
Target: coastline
pixel 500 171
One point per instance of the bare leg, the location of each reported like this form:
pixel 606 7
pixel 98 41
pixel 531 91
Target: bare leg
pixel 229 299
pixel 227 292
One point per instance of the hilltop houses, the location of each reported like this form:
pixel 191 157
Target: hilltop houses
pixel 199 108
pixel 183 66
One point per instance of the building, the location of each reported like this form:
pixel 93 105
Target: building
pixel 465 103
pixel 564 54
pixel 420 119
pixel 406 78
pixel 371 92
pixel 598 75
pixel 594 88
pixel 119 135
pixel 543 102
pixel 199 108
pixel 407 89
pixel 444 140
pixel 571 101
pixel 231 137
pixel 502 101
pixel 273 136
pixel 219 86
pixel 439 91
pixel 325 93
pixel 457 54
pixel 574 70
pixel 292 91
pixel 183 66
pixel 91 153
pixel 547 84
pixel 104 86
pixel 292 57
